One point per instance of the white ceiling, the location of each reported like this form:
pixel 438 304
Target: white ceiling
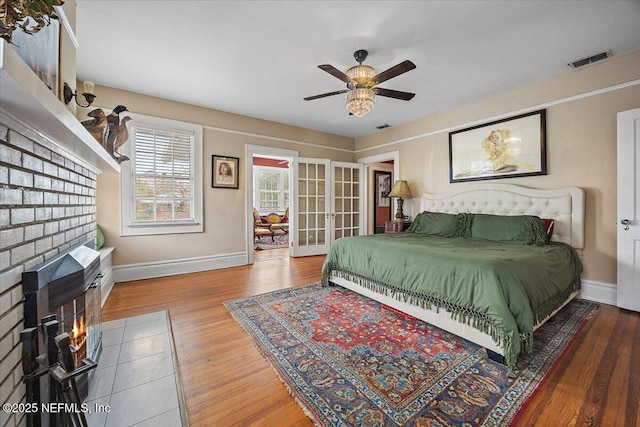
pixel 260 58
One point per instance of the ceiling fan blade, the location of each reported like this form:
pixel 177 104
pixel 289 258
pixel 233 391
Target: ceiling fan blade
pixel 334 72
pixel 394 71
pixel 390 93
pixel 338 92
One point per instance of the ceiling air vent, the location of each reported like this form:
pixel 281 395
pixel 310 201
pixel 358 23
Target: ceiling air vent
pixel 386 125
pixel 589 60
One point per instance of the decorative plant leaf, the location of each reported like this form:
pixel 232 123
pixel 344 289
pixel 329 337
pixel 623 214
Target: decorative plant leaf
pixel 28 15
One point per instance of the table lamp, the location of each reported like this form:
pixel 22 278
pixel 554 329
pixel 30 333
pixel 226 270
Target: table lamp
pixel 401 191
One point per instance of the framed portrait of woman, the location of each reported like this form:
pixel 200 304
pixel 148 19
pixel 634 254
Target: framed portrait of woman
pixel 225 171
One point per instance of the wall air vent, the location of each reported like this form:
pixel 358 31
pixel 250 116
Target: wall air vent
pixel 589 60
pixel 386 125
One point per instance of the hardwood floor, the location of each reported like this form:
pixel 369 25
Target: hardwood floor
pixel 227 382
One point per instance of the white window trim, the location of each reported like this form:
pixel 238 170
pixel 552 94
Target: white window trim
pixel 128 226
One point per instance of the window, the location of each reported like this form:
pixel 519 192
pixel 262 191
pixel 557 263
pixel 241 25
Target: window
pixel 271 189
pixel 162 181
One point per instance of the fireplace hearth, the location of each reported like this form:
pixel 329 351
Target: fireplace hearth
pixel 62 297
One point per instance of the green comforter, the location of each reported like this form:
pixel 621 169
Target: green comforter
pixel 499 288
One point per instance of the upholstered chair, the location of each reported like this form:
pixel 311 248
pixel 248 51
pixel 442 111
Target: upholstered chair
pixel 260 228
pixel 279 224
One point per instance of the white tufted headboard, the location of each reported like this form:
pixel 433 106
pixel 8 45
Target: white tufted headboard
pixel 564 205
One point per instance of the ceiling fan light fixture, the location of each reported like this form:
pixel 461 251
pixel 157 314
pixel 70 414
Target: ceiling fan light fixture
pixel 361 75
pixel 360 101
pixel 362 84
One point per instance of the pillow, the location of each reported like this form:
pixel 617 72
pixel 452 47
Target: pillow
pixel 518 229
pixel 99 237
pixel 439 224
pixel 548 225
pixel 463 225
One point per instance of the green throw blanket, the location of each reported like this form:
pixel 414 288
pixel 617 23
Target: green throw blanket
pixel 501 289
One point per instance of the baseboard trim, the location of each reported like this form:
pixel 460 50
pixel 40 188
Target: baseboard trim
pixel 107 286
pixel 592 290
pixel 605 293
pixel 149 270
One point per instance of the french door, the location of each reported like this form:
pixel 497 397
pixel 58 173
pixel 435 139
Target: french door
pixel 327 204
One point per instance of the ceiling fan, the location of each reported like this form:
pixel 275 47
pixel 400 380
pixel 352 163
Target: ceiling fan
pixel 362 84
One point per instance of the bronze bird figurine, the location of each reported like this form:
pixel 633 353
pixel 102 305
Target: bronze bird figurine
pixel 121 138
pixel 113 120
pixel 97 126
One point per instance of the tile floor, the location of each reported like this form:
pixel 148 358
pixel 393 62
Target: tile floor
pixel 136 377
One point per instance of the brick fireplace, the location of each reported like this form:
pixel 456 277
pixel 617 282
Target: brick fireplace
pixel 47 205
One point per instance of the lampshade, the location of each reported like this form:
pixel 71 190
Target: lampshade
pixel 400 190
pixel 89 87
pixel 361 75
pixel 360 101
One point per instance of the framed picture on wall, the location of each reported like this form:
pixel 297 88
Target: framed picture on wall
pixel 505 148
pixel 225 171
pixel 383 188
pixel 41 52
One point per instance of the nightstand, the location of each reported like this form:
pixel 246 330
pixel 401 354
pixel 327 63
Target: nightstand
pixel 395 227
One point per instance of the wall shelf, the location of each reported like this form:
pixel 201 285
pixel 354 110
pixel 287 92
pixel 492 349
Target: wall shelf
pixel 25 98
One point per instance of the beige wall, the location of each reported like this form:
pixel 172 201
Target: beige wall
pixel 581 146
pixel 224 209
pixel 68 54
pixel 581 151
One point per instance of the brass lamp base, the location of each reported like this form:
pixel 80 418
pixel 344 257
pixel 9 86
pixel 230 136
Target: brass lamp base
pixel 399 213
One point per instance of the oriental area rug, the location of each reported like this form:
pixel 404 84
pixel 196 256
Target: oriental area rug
pixel 279 241
pixel 349 361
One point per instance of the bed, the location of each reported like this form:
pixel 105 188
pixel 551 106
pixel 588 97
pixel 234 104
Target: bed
pixel 492 292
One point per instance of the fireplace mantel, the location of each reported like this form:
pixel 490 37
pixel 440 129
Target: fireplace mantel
pixel 27 100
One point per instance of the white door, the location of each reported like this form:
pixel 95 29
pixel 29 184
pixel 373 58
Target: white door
pixel 310 205
pixel 346 200
pixel 326 204
pixel 629 209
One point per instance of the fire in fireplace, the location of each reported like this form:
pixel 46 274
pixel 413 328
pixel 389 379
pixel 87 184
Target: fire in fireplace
pixel 67 287
pixel 78 337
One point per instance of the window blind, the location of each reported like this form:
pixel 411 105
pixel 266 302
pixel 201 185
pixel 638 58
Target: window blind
pixel 163 176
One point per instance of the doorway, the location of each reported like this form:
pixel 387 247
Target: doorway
pixel 388 162
pixel 271 196
pixel 258 151
pixel 381 202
